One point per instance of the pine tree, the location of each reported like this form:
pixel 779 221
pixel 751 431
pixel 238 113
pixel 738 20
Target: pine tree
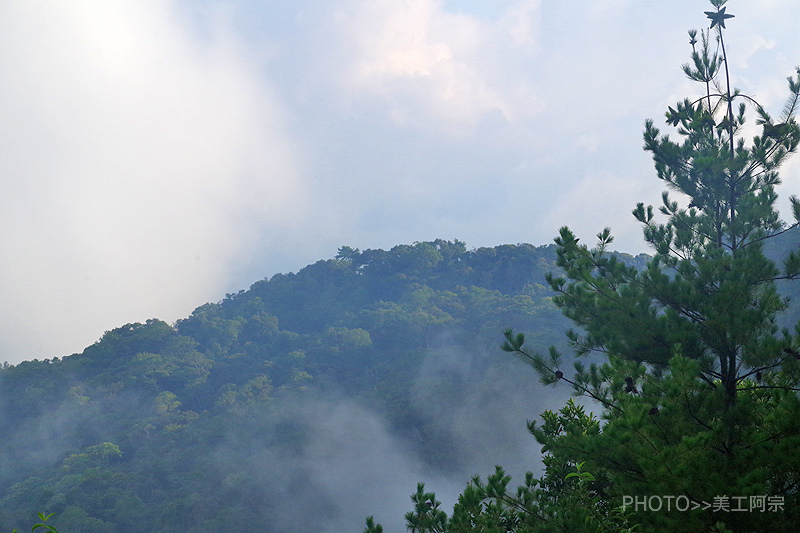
pixel 699 388
pixel 565 499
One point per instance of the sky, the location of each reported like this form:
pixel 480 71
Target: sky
pixel 157 155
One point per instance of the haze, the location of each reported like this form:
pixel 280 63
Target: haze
pixel 158 154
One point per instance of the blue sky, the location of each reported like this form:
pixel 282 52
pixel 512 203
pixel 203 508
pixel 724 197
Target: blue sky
pixel 159 154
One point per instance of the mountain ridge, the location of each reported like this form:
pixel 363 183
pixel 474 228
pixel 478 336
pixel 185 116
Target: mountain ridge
pixel 247 411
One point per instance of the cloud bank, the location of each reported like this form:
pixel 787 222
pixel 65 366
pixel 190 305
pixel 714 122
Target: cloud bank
pixel 160 154
pixel 139 162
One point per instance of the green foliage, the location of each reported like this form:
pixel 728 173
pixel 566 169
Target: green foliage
pixel 43 524
pixel 426 517
pixel 46 528
pixel 698 388
pixel 129 435
pixel 99 454
pixel 372 527
pixel 566 498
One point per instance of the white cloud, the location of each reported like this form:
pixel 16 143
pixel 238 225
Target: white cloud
pixel 603 200
pixel 521 22
pixel 757 44
pixel 429 62
pixel 140 160
pixel 148 166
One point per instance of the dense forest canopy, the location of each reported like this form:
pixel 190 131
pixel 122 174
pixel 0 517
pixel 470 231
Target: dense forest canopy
pixel 218 422
pixel 313 398
pixel 157 426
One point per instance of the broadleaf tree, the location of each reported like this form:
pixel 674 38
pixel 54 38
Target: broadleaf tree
pixel 697 386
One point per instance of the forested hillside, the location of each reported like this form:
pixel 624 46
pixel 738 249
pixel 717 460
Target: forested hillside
pixel 311 398
pixel 249 414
